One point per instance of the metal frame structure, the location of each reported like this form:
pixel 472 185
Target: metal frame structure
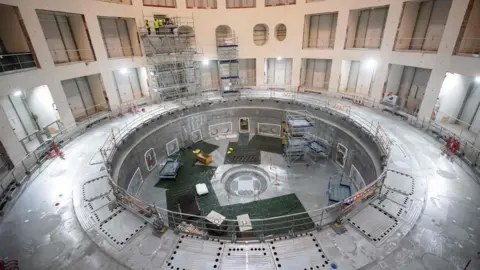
pixel 228 64
pixel 173 71
pixel 297 138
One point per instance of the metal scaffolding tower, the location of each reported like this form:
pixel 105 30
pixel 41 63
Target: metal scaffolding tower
pixel 228 64
pixel 297 130
pixel 172 71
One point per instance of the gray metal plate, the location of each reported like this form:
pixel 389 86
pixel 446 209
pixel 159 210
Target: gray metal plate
pixel 299 253
pixel 247 256
pixel 96 188
pixel 374 223
pixel 120 227
pixel 195 253
pixel 400 182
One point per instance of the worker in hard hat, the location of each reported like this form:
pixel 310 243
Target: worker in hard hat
pixel 147 25
pixel 156 25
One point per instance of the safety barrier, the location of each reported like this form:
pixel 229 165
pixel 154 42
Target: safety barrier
pixel 262 228
pixel 25 168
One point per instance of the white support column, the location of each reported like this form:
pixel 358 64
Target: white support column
pixel 143 77
pixel 388 41
pixel 335 75
pixel 296 66
pixel 447 45
pixel 9 139
pixel 260 71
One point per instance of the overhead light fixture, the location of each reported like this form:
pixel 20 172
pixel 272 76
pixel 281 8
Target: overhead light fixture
pixel 372 63
pixel 279 58
pixel 123 71
pixel 151 73
pixel 477 79
pixel 17 93
pixel 205 62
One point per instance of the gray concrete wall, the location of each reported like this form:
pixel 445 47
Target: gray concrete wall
pixel 362 152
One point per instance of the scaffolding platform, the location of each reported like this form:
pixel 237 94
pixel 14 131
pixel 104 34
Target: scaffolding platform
pixel 298 130
pixel 228 64
pixel 173 71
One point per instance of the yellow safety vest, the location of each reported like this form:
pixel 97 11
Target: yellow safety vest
pixel 156 24
pixel 160 22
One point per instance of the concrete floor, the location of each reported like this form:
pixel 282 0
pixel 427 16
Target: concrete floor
pixel 43 235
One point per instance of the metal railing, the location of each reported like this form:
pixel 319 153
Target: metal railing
pixel 61 56
pixel 125 2
pixel 34 159
pixel 284 224
pixel 417 44
pixel 16 61
pixel 363 43
pixel 126 51
pixel 320 44
pixel 83 114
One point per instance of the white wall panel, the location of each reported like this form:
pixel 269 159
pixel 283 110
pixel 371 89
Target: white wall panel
pixel 86 94
pixel 317 73
pixel 353 76
pixel 40 102
pixel 421 25
pixel 407 25
pixel 135 83
pixel 240 3
pixel 361 32
pixel 436 26
pixel 321 31
pixel 279 72
pixel 247 70
pixel 122 30
pixel 68 39
pixel 376 23
pixel 53 37
pixel 13 118
pixel 110 36
pixel 74 99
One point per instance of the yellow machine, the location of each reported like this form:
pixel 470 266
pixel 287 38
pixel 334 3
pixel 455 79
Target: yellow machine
pixel 202 157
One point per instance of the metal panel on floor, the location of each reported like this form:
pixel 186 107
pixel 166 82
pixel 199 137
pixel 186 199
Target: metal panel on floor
pixel 374 223
pixel 120 227
pixel 256 256
pixel 302 252
pixel 400 182
pixel 201 254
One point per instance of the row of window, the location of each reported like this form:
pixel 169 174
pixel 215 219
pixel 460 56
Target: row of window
pixel 212 4
pixel 420 28
pixel 67 37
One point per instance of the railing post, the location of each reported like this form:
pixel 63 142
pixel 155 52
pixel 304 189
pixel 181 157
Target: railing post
pixel 321 218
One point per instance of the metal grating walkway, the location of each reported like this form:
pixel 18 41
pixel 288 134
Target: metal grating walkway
pixel 389 206
pixel 399 198
pixel 120 227
pixel 400 182
pixel 257 256
pixel 96 188
pixel 374 223
pixel 299 253
pixel 195 253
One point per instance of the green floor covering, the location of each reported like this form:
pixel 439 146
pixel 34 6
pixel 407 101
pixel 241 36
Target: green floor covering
pixel 190 174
